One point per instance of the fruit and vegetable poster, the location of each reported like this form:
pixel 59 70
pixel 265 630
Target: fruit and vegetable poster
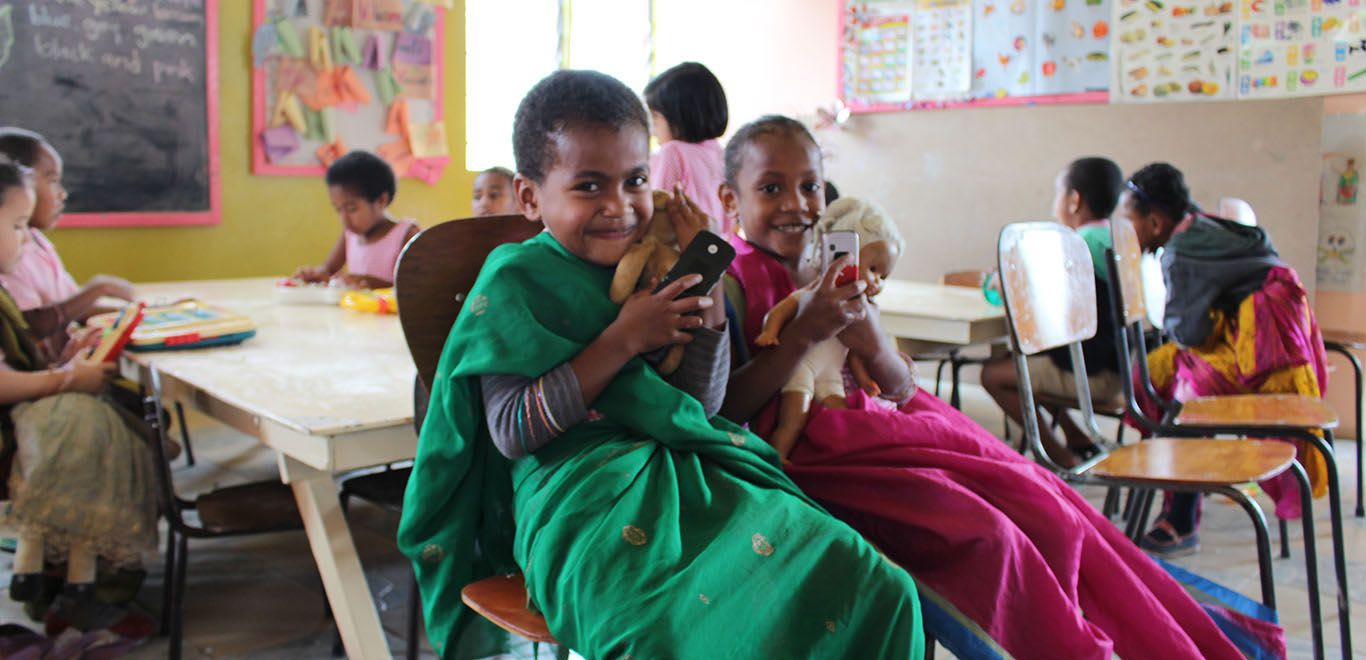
pixel 1168 50
pixel 1073 46
pixel 943 49
pixel 877 59
pixel 1003 48
pixel 1300 48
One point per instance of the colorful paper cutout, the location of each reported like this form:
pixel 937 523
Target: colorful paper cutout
pixel 319 53
pixel 279 142
pixel 287 110
pixel 263 42
pixel 427 170
pixel 288 38
pixel 385 15
pixel 412 49
pixel 349 86
pixel 398 155
pixel 386 86
pixel 415 80
pixel 372 54
pixel 397 120
pixel 428 140
pixel 419 18
pixel 338 13
pixel 344 48
pixel 329 153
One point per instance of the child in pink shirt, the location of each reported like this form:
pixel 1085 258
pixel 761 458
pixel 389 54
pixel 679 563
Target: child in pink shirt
pixel 361 186
pixel 688 113
pixel 40 283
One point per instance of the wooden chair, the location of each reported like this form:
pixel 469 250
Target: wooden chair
pixel 1248 415
pixel 435 273
pixel 255 508
pixel 1049 289
pixel 1344 343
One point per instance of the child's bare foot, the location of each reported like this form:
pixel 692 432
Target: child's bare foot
pixel 766 339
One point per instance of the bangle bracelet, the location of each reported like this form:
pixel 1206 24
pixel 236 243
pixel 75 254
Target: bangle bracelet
pixel 68 372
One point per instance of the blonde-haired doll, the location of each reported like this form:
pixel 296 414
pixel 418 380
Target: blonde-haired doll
pixel 820 375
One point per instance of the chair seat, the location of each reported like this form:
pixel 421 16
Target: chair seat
pixel 1345 338
pixel 1106 408
pixel 1196 461
pixel 1267 411
pixel 384 488
pixel 264 506
pixel 502 599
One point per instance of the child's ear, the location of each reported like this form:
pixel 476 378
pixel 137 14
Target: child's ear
pixel 730 202
pixel 384 199
pixel 528 197
pixel 1073 202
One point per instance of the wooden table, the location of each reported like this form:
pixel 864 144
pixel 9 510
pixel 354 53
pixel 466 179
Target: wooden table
pixel 939 314
pixel 329 390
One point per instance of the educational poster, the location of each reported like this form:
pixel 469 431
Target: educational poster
pixel 1342 207
pixel 943 49
pixel 332 76
pixel 1003 48
pixel 1169 52
pixel 1073 47
pixel 877 54
pixel 1300 48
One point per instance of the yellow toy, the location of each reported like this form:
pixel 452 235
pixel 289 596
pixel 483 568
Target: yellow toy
pixel 650 260
pixel 372 301
pixel 820 375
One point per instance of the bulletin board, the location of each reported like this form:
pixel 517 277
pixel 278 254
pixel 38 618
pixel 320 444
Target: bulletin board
pixel 987 52
pixel 332 76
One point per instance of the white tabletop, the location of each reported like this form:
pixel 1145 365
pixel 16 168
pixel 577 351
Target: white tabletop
pixel 320 370
pixel 939 313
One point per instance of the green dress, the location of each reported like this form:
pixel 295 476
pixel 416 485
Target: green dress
pixel 650 532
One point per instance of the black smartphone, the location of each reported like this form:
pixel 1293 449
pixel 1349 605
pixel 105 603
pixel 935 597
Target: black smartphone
pixel 708 255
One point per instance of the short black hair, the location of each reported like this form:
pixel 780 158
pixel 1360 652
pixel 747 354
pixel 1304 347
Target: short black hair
pixel 765 125
pixel 691 100
pixel 1162 188
pixel 1098 181
pixel 831 193
pixel 500 171
pixel 22 145
pixel 363 173
pixel 569 98
pixel 13 175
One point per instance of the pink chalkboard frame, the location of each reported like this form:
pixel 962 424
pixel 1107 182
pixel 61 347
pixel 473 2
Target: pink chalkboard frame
pixel 1081 98
pixel 261 166
pixel 169 218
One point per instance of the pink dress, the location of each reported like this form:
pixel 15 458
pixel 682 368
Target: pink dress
pixel 700 168
pixel 1011 545
pixel 377 259
pixel 40 279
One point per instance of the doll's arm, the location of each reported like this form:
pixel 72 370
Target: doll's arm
pixel 862 377
pixel 629 270
pixel 775 319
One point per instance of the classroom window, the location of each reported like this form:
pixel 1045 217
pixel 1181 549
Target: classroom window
pixel 607 35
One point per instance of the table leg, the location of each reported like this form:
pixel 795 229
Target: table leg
pixel 353 606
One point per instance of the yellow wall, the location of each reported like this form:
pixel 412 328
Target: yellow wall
pixel 270 225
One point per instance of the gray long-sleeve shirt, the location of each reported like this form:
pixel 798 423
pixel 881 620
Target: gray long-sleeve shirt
pixel 525 414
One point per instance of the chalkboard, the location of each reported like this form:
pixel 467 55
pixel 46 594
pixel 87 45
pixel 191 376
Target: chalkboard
pixel 126 90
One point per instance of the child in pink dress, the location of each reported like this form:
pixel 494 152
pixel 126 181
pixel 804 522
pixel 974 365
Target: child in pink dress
pixel 361 187
pixel 688 113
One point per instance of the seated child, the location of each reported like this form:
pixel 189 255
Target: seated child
pixel 361 186
pixel 644 526
pixel 1086 193
pixel 821 371
pixel 81 482
pixel 40 283
pixel 493 193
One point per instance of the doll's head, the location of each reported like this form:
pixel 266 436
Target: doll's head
pixel 880 244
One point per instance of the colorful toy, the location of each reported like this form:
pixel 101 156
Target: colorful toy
pixel 183 325
pixel 650 259
pixel 374 301
pixel 290 291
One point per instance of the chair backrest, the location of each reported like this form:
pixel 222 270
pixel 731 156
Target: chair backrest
pixel 154 414
pixel 1238 211
pixel 435 273
pixel 1049 285
pixel 1129 264
pixel 967 278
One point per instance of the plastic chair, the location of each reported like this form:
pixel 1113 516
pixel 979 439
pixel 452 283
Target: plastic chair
pixel 1249 415
pixel 435 273
pixel 255 508
pixel 1049 289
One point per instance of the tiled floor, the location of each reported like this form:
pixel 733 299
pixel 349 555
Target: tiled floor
pixel 260 597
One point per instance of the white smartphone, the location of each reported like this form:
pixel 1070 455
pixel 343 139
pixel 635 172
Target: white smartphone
pixel 836 244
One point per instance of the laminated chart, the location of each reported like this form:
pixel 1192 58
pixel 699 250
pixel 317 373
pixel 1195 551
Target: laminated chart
pixel 1300 48
pixel 1166 50
pixel 877 54
pixel 1073 46
pixel 943 49
pixel 1003 48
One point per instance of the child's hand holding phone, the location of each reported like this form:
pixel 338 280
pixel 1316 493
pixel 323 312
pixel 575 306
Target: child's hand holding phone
pixel 658 317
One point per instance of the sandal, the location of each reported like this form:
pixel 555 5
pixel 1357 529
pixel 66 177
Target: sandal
pixel 1163 540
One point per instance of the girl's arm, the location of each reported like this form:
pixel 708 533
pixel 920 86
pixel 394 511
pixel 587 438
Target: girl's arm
pixel 705 368
pixel 828 311
pixel 869 343
pixel 76 376
pixel 335 260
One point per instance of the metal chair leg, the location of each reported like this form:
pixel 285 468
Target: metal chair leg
pixel 168 581
pixel 939 375
pixel 1325 447
pixel 1311 567
pixel 1141 523
pixel 414 615
pixel 1285 538
pixel 1263 537
pixel 1356 379
pixel 184 434
pixel 1111 502
pixel 955 398
pixel 178 598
